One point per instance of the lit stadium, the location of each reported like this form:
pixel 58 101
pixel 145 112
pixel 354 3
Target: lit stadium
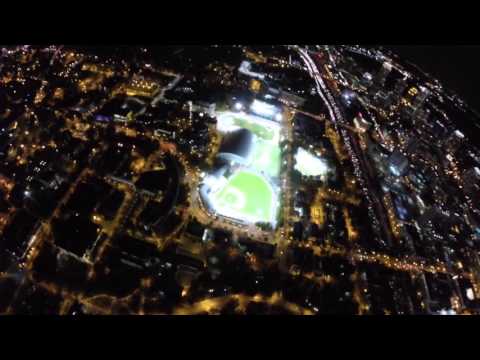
pixel 246 196
pixel 310 165
pixel 242 185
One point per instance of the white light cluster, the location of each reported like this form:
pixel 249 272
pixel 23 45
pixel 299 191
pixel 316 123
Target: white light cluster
pixel 309 165
pixel 263 108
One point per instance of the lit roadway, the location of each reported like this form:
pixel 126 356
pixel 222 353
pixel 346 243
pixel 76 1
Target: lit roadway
pixel 283 234
pixel 44 229
pixel 214 305
pixel 364 173
pixel 360 167
pixel 408 264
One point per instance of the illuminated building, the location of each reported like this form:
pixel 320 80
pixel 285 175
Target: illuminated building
pixel 290 99
pixel 471 179
pixel 412 92
pixel 420 98
pixel 317 214
pixel 455 141
pixel 383 74
pixel 310 165
pixel 255 57
pixel 366 79
pixel 256 85
pixel 246 69
pixel 400 87
pixel 97 69
pixel 203 107
pixel 266 110
pixel 361 123
pixel 398 164
pixel 142 87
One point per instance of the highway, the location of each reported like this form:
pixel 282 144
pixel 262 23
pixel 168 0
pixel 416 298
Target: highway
pixel 283 236
pixel 366 175
pixel 359 163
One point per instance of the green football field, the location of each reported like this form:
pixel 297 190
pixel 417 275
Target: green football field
pixel 267 158
pixel 246 196
pixel 258 129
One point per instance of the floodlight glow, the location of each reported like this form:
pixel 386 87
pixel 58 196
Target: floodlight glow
pixel 459 134
pixel 245 196
pixel 263 108
pixel 238 106
pixel 470 294
pixel 394 170
pixel 368 76
pixel 278 117
pixel 447 312
pixel 308 164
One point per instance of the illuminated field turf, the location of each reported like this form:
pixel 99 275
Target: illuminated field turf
pixel 259 130
pixel 267 155
pixel 246 196
pixel 266 158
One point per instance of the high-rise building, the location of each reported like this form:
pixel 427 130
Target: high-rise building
pixel 400 87
pixel 379 79
pixel 420 98
pixel 398 163
pixel 366 79
pixel 471 179
pixel 455 141
pixel 383 74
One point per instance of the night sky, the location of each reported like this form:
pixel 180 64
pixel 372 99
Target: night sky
pixel 457 67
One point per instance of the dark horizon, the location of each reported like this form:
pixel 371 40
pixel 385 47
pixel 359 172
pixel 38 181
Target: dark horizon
pixel 454 66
